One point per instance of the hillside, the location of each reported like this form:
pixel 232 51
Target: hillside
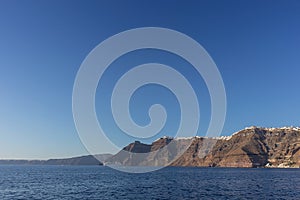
pixel 251 147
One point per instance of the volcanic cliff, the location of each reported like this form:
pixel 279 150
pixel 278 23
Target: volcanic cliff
pixel 251 147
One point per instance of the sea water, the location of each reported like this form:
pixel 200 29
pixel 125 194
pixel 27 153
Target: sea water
pixel 99 182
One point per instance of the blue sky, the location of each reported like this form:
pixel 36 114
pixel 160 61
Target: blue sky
pixel 255 45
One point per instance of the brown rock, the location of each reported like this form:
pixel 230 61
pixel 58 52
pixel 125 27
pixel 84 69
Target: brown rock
pixel 251 147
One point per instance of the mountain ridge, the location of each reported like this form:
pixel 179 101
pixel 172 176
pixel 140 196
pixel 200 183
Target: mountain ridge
pixel 250 147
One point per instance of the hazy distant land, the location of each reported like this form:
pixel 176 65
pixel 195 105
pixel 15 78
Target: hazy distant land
pixel 80 160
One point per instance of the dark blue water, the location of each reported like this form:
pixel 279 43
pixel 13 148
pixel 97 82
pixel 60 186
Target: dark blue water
pixel 92 182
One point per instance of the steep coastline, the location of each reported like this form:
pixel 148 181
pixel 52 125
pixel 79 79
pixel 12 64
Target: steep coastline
pixel 251 147
pixel 248 148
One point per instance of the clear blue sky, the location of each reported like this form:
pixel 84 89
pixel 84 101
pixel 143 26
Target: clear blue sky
pixel 255 44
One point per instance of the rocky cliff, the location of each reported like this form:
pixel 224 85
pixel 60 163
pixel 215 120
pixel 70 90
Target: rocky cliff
pixel 251 147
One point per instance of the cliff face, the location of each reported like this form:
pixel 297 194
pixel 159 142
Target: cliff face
pixel 251 147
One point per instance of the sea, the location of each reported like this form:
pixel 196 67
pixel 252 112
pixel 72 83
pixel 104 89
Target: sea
pixel 101 182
